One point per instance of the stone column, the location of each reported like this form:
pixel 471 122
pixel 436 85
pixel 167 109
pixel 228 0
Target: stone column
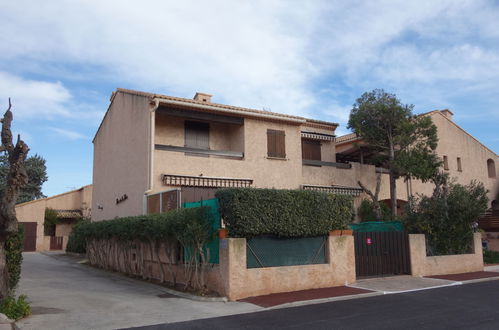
pixel 232 266
pixel 417 251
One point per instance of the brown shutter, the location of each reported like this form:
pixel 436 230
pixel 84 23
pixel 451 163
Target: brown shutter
pixel 197 135
pixel 311 149
pixel 169 200
pixel 276 145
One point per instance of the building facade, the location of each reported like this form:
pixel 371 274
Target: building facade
pixel 69 206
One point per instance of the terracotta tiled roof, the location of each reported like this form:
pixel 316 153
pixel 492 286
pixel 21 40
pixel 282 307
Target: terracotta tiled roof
pixel 222 106
pixel 347 138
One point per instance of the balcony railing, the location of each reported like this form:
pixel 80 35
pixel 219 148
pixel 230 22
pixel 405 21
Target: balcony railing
pixel 225 153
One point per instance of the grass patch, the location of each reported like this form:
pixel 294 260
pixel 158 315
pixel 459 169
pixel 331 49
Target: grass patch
pixel 490 257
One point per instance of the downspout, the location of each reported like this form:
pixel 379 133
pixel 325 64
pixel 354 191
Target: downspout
pixel 152 131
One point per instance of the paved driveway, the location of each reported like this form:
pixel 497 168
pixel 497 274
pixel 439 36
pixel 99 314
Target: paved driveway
pixel 68 295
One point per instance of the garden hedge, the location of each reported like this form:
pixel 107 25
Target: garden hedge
pixel 185 225
pixel 14 247
pixel 249 212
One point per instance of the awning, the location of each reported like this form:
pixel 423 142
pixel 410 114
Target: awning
pixel 69 214
pixel 335 189
pixel 204 181
pixel 317 136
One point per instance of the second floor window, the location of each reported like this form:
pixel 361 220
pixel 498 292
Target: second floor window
pixel 276 146
pixel 311 149
pixel 197 135
pixel 446 163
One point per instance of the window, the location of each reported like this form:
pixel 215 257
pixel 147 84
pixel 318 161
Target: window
pixel 459 167
pixel 197 135
pixel 276 146
pixel 163 202
pixel 491 167
pixel 446 163
pixel 311 149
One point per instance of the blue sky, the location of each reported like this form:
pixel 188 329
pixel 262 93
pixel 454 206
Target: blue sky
pixel 61 60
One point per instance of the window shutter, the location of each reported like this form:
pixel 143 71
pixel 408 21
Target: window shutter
pixel 276 145
pixel 153 204
pixel 197 135
pixel 311 149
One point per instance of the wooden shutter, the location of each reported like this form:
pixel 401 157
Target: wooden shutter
pixel 197 135
pixel 169 200
pixel 311 149
pixel 276 145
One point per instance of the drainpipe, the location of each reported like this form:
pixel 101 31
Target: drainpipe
pixel 152 126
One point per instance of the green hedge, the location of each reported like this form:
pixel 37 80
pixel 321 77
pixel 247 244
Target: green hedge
pixel 249 212
pixel 185 225
pixel 14 247
pixel 76 241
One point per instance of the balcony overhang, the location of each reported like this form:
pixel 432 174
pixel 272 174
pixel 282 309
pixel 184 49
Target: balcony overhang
pixel 205 181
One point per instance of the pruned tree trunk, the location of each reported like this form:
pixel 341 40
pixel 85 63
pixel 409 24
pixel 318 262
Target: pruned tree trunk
pixel 393 179
pixel 374 196
pixel 16 179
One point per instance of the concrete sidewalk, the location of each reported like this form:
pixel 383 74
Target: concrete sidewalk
pixel 67 295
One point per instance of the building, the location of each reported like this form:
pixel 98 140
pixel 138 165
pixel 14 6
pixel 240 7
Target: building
pixel 70 207
pixel 464 157
pixel 153 152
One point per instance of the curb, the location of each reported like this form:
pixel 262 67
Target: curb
pixel 479 280
pixel 193 297
pixel 325 300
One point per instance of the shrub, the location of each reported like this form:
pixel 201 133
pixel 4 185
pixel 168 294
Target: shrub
pixel 15 309
pixel 186 225
pixel 490 257
pixel 76 241
pixel 249 212
pixel 366 211
pixel 448 218
pixel 51 219
pixel 14 247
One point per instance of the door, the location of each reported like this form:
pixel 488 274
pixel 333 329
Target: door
pixel 29 236
pixel 381 253
pixel 56 242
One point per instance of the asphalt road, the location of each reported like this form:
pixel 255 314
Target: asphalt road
pixel 469 306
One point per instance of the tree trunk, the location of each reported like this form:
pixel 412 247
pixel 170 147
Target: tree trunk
pixel 393 181
pixel 16 179
pixel 374 197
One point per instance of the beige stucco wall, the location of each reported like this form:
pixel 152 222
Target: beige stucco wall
pixel 34 211
pixel 241 282
pixel 422 265
pixel 121 158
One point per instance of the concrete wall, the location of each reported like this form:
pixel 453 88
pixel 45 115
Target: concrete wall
pixel 121 157
pixel 34 211
pixel 240 282
pixel 422 265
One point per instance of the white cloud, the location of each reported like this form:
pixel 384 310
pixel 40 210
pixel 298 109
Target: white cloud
pixel 65 133
pixel 32 98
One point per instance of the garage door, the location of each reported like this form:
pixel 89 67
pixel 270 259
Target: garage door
pixel 29 236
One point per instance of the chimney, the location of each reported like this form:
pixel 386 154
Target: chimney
pixel 202 97
pixel 447 113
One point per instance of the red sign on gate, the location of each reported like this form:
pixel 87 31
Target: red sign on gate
pixel 369 241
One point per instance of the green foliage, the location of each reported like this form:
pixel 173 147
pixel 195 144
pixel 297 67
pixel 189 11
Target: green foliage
pixel 51 219
pixel 188 226
pixel 402 142
pixel 249 212
pixel 76 241
pixel 14 247
pixel 37 175
pixel 15 309
pixel 366 211
pixel 490 257
pixel 448 217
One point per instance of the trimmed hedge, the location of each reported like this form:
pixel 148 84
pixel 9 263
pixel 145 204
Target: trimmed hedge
pixel 76 241
pixel 186 225
pixel 249 212
pixel 14 247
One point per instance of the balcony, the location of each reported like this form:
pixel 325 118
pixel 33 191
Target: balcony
pixel 201 134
